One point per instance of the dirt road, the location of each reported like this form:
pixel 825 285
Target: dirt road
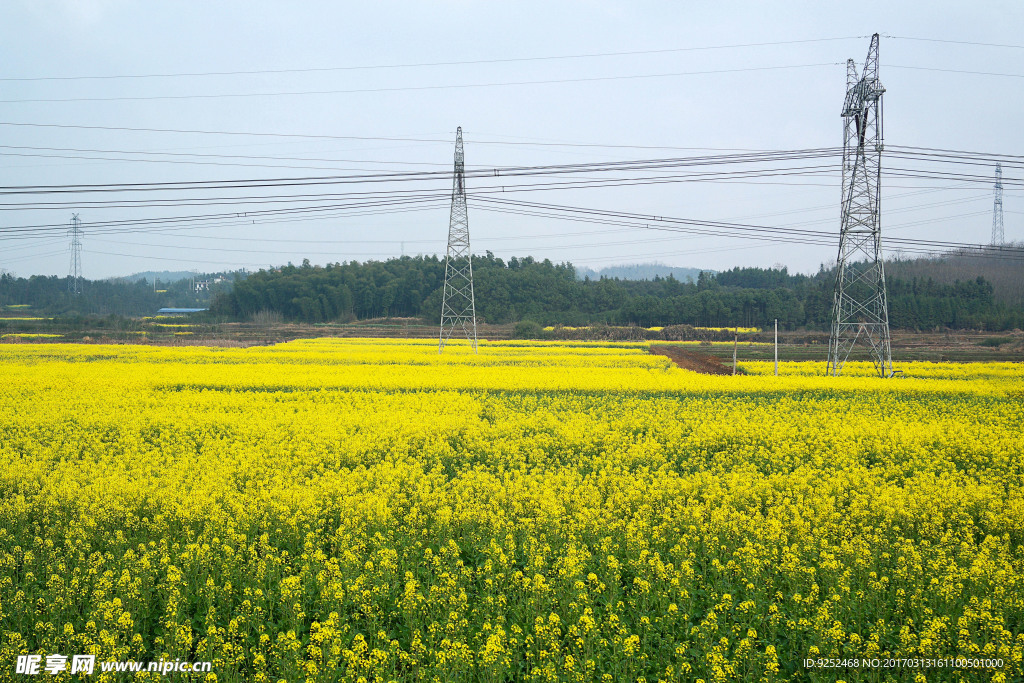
pixel 692 360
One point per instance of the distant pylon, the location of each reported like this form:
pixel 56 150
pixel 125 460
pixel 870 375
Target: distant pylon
pixel 75 272
pixel 998 238
pixel 860 310
pixel 458 308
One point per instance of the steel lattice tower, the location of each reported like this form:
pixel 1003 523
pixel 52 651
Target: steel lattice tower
pixel 998 238
pixel 860 310
pixel 75 272
pixel 458 308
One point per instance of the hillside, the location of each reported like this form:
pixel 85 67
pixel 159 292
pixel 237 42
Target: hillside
pixel 1005 274
pixel 641 271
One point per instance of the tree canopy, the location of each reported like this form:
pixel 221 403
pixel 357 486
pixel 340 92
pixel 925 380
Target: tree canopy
pixel 550 293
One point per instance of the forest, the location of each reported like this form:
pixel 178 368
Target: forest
pixel 550 293
pixel 924 294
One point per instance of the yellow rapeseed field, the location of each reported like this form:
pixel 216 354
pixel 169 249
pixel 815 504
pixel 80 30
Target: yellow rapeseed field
pixel 367 510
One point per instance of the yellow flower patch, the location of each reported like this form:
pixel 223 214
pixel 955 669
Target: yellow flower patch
pixel 332 509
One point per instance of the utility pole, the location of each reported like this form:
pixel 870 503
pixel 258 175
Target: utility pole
pixel 735 343
pixel 458 307
pixel 860 310
pixel 75 271
pixel 998 238
pixel 776 347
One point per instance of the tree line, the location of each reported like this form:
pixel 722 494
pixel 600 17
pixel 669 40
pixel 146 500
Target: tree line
pixel 547 293
pixel 119 297
pixel 550 294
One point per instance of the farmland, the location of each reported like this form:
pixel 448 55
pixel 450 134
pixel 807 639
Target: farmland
pixel 356 509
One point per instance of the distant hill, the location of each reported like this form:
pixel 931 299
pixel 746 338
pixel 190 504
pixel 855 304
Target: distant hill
pixel 169 276
pixel 1003 271
pixel 642 271
pixel 162 276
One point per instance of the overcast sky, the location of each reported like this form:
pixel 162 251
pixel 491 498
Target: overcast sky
pixel 531 83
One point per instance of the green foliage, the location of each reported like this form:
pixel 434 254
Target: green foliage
pixel 528 329
pixel 525 289
pixel 995 341
pixel 550 294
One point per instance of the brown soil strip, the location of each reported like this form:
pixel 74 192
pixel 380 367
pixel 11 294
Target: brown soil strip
pixel 692 360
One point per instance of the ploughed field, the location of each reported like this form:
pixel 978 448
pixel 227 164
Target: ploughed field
pixel 332 509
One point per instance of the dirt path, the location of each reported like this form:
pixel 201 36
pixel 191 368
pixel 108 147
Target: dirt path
pixel 692 360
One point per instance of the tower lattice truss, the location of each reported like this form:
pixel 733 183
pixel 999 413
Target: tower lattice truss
pixel 998 236
pixel 860 312
pixel 458 307
pixel 75 270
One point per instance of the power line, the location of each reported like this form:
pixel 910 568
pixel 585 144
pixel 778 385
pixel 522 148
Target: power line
pixel 502 171
pixel 958 153
pixel 395 205
pixel 177 260
pixel 428 64
pixel 459 86
pixel 364 138
pixel 29 257
pixel 436 242
pixel 156 226
pixel 222 132
pixel 386 202
pixel 953 71
pixel 990 155
pixel 414 88
pixel 690 226
pixel 723 228
pixel 193 154
pixel 491 189
pixel 898 152
pixel 954 42
pixel 395 201
pixel 501 61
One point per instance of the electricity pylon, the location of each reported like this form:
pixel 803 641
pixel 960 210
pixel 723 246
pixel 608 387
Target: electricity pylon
pixel 458 308
pixel 75 271
pixel 998 238
pixel 860 310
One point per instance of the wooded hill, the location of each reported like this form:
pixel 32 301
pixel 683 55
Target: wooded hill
pixel 550 293
pixel 959 291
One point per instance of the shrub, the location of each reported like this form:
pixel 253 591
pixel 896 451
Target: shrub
pixel 527 329
pixel 995 341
